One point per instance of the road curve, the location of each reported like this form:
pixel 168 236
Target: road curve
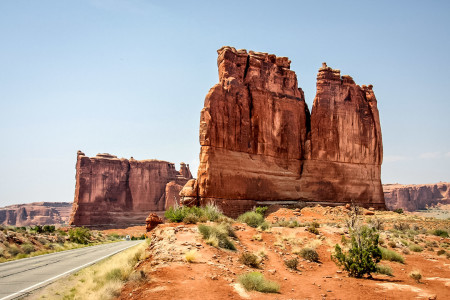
pixel 19 277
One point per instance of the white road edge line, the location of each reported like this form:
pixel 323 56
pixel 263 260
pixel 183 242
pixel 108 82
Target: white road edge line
pixel 67 272
pixel 57 252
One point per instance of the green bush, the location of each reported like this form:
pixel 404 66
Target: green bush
pixel 264 226
pixel 48 228
pixel 255 281
pixel 309 254
pixel 27 248
pixel 253 219
pixel 193 214
pixel 385 270
pixel 398 210
pixel 363 255
pixel 441 252
pixel 391 255
pixel 218 235
pixel 312 229
pixel 415 248
pixel 80 235
pixel 249 259
pixel 441 232
pixel 291 263
pixel 261 210
pixel 13 250
pixel 392 244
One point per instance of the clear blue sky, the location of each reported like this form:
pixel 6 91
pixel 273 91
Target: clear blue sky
pixel 130 77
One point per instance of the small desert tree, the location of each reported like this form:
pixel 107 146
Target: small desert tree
pixel 363 255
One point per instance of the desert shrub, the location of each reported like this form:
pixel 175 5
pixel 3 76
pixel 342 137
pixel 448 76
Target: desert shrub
pixel 385 270
pixel 264 226
pixel 191 219
pixel 309 254
pixel 314 224
pixel 48 228
pixel 416 275
pixel 42 240
pixel 212 212
pixel 363 254
pixel 312 229
pixel 404 242
pixel 392 244
pixel 253 219
pixel 441 252
pixel 37 229
pixel 415 248
pixel 398 210
pixel 27 248
pixel 193 214
pixel 190 256
pixel 291 263
pixel 13 250
pixel 377 223
pixel 441 232
pixel 249 259
pixel 391 255
pixel 401 226
pixel 79 235
pixel 255 281
pixel 218 235
pixel 287 223
pixel 405 251
pixel 114 274
pixel 344 240
pixel 261 210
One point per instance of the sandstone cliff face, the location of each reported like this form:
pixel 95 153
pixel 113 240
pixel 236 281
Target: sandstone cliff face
pixel 36 213
pixel 113 192
pixel 345 152
pixel 416 197
pixel 259 142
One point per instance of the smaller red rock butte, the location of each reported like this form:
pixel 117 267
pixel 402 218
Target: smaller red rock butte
pixel 260 145
pixel 36 213
pixel 416 196
pixel 114 193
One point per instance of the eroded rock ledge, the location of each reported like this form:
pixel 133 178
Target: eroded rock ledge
pixel 260 144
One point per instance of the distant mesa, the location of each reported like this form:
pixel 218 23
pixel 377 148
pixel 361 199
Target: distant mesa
pixel 36 213
pixel 118 193
pixel 416 197
pixel 261 145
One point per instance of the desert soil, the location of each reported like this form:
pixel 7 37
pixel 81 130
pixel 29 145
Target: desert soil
pixel 214 273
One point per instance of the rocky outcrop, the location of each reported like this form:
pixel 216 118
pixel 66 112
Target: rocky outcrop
pixel 36 213
pixel 416 197
pixel 152 221
pixel 113 192
pixel 260 145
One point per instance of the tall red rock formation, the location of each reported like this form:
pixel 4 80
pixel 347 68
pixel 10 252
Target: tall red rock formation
pixel 259 143
pixel 113 192
pixel 416 197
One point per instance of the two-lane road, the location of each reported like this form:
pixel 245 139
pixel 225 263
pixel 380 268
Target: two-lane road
pixel 22 276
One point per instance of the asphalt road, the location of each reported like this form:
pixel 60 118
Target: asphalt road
pixel 19 277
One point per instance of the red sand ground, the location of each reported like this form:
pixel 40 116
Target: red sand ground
pixel 215 271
